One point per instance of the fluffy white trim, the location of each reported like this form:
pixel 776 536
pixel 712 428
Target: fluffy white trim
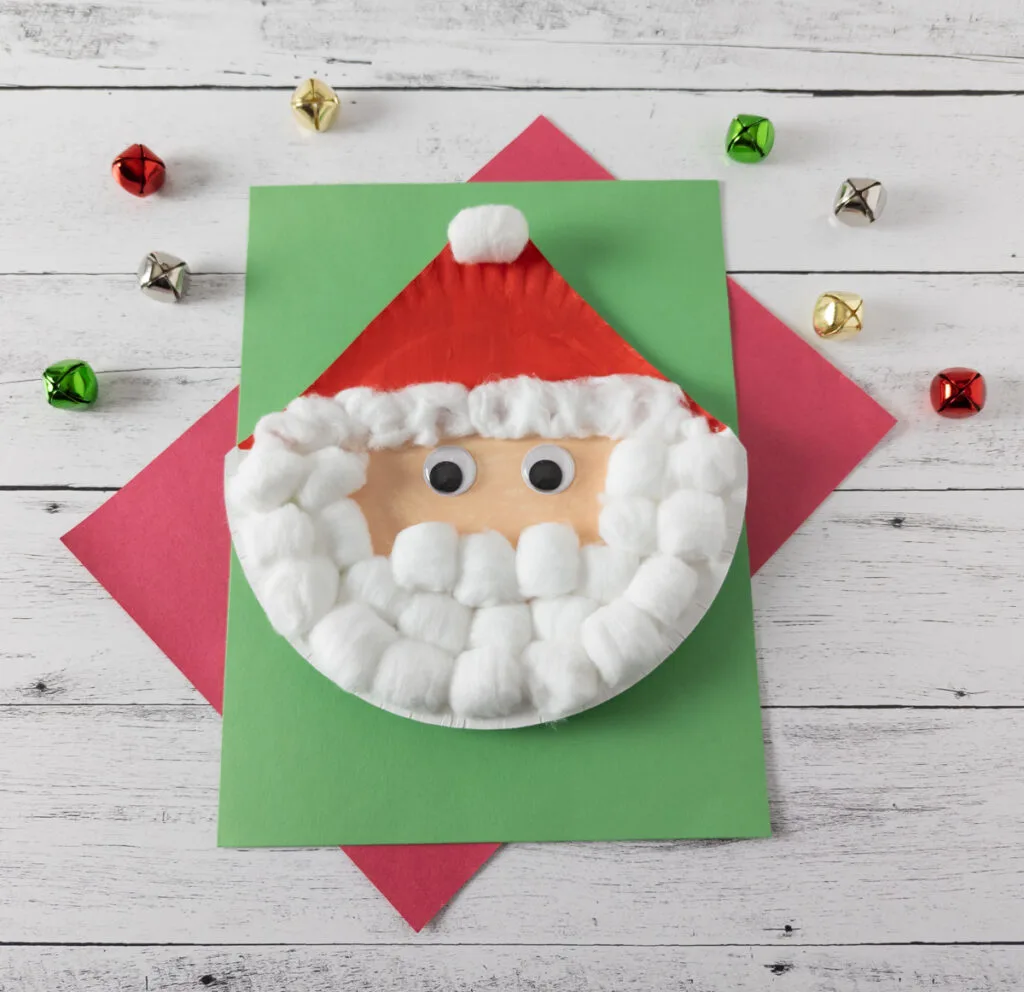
pixel 629 523
pixel 559 619
pixel 487 570
pixel 286 532
pixel 437 619
pixel 297 592
pixel 267 477
pixel 414 676
pixel 623 642
pixel 691 524
pixel 561 678
pixel 664 587
pixel 333 474
pixel 605 572
pixel 370 581
pixel 491 233
pixel 343 533
pixel 705 460
pixel 547 560
pixel 486 682
pixel 426 556
pixel 508 626
pixel 347 644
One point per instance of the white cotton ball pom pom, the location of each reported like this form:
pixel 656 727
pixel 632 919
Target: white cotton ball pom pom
pixel 286 532
pixel 561 678
pixel 623 642
pixel 629 523
pixel 343 532
pixel 547 560
pixel 436 410
pixel 437 619
pixel 706 461
pixel 605 572
pixel 490 233
pixel 508 626
pixel 317 421
pixel 296 593
pixel 487 570
pixel 414 676
pixel 347 644
pixel 692 525
pixel 664 587
pixel 559 618
pixel 486 682
pixel 333 475
pixel 636 467
pixel 426 556
pixel 267 477
pixel 370 581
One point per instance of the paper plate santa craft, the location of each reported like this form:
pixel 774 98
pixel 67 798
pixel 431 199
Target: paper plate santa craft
pixel 490 511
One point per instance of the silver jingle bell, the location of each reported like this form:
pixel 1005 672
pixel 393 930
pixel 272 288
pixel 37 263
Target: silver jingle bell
pixel 163 277
pixel 859 202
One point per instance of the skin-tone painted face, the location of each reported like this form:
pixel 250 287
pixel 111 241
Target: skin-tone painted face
pixel 396 494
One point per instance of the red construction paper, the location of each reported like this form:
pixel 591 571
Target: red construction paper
pixel 160 545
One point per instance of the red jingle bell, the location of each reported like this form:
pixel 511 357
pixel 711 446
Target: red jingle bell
pixel 139 170
pixel 958 392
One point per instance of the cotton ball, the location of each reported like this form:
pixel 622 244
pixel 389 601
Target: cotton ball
pixel 296 593
pixel 413 676
pixel 691 525
pixel 605 572
pixel 267 477
pixel 370 581
pixel 561 678
pixel 547 560
pixel 486 682
pixel 636 467
pixel 317 421
pixel 629 523
pixel 426 556
pixel 437 619
pixel 343 532
pixel 286 532
pixel 487 570
pixel 436 410
pixel 623 642
pixel 347 644
pixel 381 416
pixel 559 618
pixel 491 233
pixel 664 587
pixel 706 461
pixel 508 626
pixel 334 474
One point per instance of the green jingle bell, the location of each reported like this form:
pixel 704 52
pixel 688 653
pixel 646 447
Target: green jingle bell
pixel 750 138
pixel 70 384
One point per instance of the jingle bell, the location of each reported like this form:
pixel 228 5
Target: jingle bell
pixel 163 277
pixel 139 170
pixel 838 315
pixel 315 104
pixel 859 202
pixel 958 392
pixel 70 384
pixel 749 138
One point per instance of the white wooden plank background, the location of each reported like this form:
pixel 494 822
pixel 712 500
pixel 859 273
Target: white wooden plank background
pixel 889 627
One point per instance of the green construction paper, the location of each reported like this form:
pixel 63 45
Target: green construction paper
pixel 679 755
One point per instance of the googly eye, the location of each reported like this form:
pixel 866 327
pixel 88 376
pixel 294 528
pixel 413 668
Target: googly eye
pixel 449 471
pixel 548 469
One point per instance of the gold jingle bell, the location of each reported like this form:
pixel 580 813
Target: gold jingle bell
pixel 315 104
pixel 838 315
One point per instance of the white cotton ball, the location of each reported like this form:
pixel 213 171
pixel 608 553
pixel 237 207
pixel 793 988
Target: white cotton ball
pixel 317 421
pixel 378 415
pixel 334 474
pixel 347 644
pixel 711 462
pixel 507 626
pixel 561 678
pixel 636 467
pixel 629 523
pixel 487 570
pixel 413 676
pixel 634 406
pixel 691 525
pixel 486 682
pixel 296 593
pixel 436 410
pixel 286 532
pixel 343 532
pixel 623 642
pixel 267 477
pixel 559 618
pixel 490 233
pixel 547 560
pixel 513 408
pixel 370 581
pixel 437 619
pixel 426 556
pixel 664 587
pixel 605 572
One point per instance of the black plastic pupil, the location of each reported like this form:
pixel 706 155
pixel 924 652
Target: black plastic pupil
pixel 446 477
pixel 545 475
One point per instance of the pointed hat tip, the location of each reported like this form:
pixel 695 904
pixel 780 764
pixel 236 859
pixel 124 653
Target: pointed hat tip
pixel 488 233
